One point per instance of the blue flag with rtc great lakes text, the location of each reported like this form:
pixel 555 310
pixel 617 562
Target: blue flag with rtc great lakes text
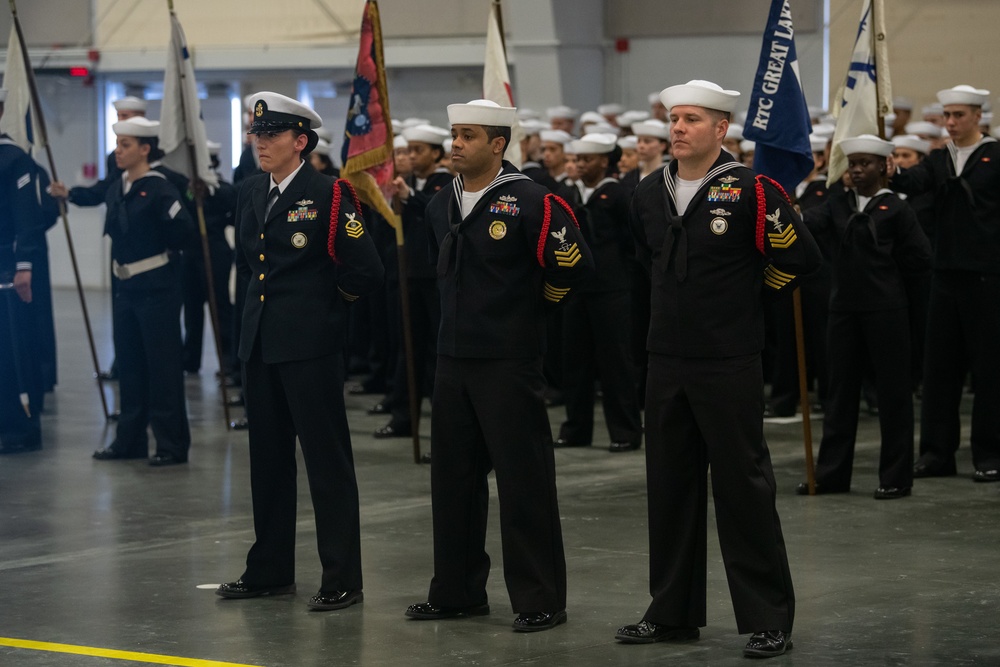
pixel 778 118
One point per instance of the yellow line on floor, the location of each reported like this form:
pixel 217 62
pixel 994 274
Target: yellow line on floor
pixel 116 655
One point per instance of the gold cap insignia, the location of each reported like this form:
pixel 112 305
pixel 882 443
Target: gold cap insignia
pixel 498 230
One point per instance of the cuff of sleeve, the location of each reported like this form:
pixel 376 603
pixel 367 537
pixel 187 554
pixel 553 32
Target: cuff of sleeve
pixel 24 266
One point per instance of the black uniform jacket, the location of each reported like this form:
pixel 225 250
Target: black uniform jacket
pixel 298 293
pixel 966 220
pixel 416 230
pixel 705 267
pixel 148 220
pixel 21 229
pixel 876 252
pixel 518 249
pixel 604 222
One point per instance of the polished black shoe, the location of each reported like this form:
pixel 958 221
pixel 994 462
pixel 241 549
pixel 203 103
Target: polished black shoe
pixel 646 632
pixel 624 446
pixel 425 611
pixel 538 621
pixel 107 376
pixel 379 408
pixel 922 469
pixel 391 430
pixel 161 460
pixel 113 454
pixel 239 590
pixel 986 476
pixel 803 489
pixel 425 458
pixel 767 644
pixel 563 442
pixel 335 600
pixel 240 424
pixel 891 492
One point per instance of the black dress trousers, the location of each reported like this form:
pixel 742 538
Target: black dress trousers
pixel 490 414
pixel 304 397
pixel 704 413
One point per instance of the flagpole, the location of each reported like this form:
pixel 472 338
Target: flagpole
pixel 36 105
pixel 197 186
pixel 879 116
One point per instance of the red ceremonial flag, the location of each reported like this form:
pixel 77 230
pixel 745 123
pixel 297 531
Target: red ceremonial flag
pixel 367 151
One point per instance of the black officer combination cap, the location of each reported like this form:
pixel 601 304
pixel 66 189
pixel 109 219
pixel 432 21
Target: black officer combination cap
pixel 276 113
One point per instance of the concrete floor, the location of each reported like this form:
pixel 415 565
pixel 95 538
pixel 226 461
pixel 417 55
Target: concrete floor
pixel 117 555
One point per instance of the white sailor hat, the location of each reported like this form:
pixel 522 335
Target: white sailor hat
pixel 276 113
pixel 987 118
pixel 482 112
pixel 902 103
pixel 735 131
pixel 447 146
pixel 626 118
pixel 651 128
pixel 866 143
pixel 653 98
pixel 413 122
pixel 524 113
pixel 700 93
pixel 594 143
pixel 130 103
pixel 923 128
pixel 935 109
pixel 325 134
pixel 322 147
pixel 427 134
pixel 610 109
pixel 963 94
pixel 747 146
pixel 913 142
pixel 628 143
pixel 532 126
pixel 603 127
pixel 816 113
pixel 824 130
pixel 561 111
pixel 137 126
pixel 555 137
pixel 818 142
pixel 213 147
pixel 589 117
pixel 3 94
pixel 399 141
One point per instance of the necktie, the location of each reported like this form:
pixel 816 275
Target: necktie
pixel 272 197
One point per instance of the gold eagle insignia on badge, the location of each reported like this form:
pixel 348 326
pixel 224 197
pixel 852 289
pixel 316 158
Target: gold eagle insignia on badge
pixel 728 179
pixel 719 226
pixel 299 240
pixel 353 226
pixel 498 230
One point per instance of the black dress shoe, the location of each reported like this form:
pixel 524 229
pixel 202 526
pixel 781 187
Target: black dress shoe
pixel 239 590
pixel 803 489
pixel 563 442
pixel 112 453
pixel 335 600
pixel 115 415
pixel 391 430
pixel 161 460
pixel 425 611
pixel 624 446
pixel 986 476
pixel 240 424
pixel 425 458
pixel 107 376
pixel 379 408
pixel 646 632
pixel 538 621
pixel 891 492
pixel 922 469
pixel 767 644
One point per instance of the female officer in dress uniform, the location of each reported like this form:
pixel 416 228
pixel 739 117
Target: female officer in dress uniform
pixel 147 224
